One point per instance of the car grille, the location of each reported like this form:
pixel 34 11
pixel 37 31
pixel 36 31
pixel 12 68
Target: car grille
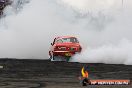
pixel 62 48
pixel 67 48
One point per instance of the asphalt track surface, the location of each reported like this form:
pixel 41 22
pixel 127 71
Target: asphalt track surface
pixel 46 74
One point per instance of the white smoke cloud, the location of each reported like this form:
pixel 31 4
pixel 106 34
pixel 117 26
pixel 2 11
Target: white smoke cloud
pixel 115 54
pixel 99 25
pixel 109 45
pixel 92 5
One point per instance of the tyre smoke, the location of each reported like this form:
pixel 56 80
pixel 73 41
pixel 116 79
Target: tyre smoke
pixel 103 28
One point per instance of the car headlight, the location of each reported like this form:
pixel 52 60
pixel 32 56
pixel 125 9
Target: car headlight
pixel 73 48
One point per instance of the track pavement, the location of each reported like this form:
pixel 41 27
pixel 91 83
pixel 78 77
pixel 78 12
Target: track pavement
pixel 29 73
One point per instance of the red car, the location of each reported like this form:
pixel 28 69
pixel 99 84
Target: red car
pixel 64 47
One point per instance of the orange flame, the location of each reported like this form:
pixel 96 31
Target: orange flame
pixel 84 73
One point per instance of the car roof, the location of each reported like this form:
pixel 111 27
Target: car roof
pixel 64 37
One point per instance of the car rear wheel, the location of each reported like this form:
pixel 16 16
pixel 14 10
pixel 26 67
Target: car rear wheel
pixel 50 57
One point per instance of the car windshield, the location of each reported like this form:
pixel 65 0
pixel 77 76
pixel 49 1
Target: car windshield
pixel 65 40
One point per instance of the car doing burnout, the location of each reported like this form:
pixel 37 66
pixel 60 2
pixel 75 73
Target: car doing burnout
pixel 64 47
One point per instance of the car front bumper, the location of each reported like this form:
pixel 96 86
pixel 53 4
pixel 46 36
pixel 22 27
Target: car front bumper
pixel 64 53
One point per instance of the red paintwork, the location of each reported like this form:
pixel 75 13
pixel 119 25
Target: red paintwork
pixel 62 49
